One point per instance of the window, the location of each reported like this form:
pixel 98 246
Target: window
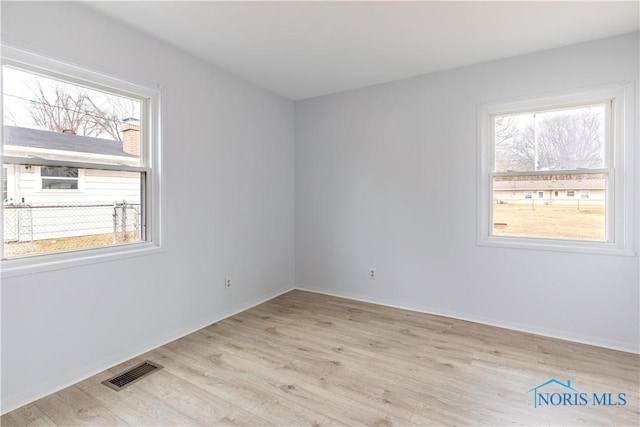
pixel 84 152
pixel 5 185
pixel 58 178
pixel 567 143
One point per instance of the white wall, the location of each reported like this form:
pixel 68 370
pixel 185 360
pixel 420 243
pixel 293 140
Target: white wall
pixel 229 185
pixel 386 178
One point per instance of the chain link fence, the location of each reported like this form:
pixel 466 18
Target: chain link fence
pixel 37 228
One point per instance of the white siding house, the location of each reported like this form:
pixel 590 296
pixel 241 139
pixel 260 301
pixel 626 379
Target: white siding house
pixel 43 202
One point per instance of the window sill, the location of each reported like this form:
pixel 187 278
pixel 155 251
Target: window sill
pixel 59 261
pixel 556 245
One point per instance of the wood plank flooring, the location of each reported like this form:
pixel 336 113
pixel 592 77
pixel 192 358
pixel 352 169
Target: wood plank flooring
pixel 310 359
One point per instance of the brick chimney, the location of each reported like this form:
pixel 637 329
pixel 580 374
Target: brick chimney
pixel 130 130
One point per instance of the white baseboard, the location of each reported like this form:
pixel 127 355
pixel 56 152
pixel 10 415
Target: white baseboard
pixel 68 379
pixel 545 332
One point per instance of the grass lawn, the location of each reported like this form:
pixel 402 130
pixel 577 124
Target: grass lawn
pixel 553 221
pixel 13 249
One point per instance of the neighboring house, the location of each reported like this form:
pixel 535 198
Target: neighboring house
pixel 48 202
pixel 588 191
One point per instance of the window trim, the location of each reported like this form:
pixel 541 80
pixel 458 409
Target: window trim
pixel 622 165
pixel 79 181
pixel 152 161
pixel 11 184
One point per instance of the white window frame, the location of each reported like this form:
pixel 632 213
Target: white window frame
pixel 11 184
pixel 570 193
pixel 584 194
pixel 620 215
pixel 39 178
pixel 540 194
pixel 152 164
pixel 528 194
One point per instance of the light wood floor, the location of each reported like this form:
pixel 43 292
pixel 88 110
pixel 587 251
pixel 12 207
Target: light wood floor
pixel 309 359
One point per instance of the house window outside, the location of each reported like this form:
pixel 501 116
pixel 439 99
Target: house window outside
pixel 575 139
pixel 59 178
pixel 5 185
pixel 83 149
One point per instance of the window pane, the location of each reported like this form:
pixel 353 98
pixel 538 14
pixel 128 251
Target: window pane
pixel 59 184
pixel 558 214
pixel 107 212
pixel 5 186
pixel 59 171
pixel 57 120
pixel 567 139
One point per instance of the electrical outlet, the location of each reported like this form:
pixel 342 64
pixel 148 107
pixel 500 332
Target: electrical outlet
pixel 227 283
pixel 372 273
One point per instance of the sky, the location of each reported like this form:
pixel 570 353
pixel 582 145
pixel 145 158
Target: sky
pixel 20 87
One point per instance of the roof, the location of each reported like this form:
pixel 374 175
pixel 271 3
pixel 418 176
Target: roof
pixel 554 381
pixel 34 138
pixel 547 184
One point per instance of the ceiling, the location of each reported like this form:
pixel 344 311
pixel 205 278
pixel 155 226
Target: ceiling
pixel 306 49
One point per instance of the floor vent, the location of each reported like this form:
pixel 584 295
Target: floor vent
pixel 132 375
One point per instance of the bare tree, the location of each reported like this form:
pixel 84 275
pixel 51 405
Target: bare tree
pixel 59 109
pixel 505 130
pixel 9 117
pixel 571 141
pixel 109 115
pixel 555 141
